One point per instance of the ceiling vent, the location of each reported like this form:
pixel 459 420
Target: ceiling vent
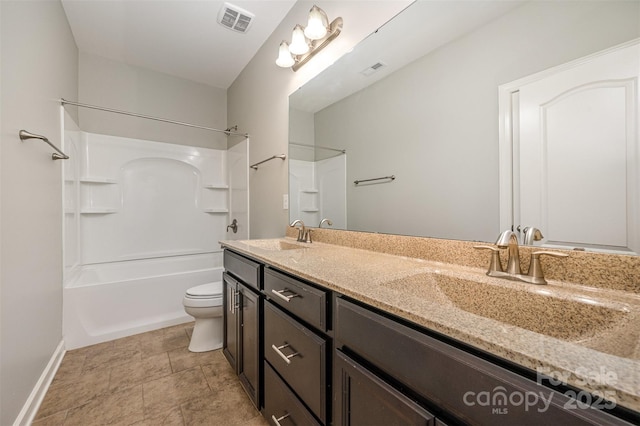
pixel 235 18
pixel 373 68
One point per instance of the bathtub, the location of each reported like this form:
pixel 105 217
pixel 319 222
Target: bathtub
pixel 111 300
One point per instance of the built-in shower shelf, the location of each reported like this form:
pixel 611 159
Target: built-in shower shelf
pixel 214 211
pixel 216 186
pixel 98 211
pixel 97 179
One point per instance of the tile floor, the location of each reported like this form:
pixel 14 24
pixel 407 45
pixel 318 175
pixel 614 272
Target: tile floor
pixel 147 379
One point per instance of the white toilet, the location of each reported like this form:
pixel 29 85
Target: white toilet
pixel 204 303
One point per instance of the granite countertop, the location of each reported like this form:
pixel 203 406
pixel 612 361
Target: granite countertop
pixel 583 336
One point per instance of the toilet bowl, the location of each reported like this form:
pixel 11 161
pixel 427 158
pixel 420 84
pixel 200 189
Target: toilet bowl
pixel 204 303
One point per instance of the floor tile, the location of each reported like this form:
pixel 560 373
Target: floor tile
pixel 124 407
pixel 56 419
pixel 150 379
pixel 182 359
pixel 171 417
pixel 171 391
pixel 92 349
pixel 257 421
pixel 170 339
pixel 70 368
pixel 219 409
pixel 112 356
pixel 74 393
pixel 220 375
pixel 139 371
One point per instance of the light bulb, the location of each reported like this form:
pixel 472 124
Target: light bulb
pixel 285 60
pixel 317 26
pixel 299 45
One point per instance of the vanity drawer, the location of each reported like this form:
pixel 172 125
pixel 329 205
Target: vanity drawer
pixel 301 299
pixel 279 402
pixel 247 270
pixel 298 355
pixel 449 377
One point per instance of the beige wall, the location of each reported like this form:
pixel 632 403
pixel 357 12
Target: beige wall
pixel 115 85
pixel 39 66
pixel 258 100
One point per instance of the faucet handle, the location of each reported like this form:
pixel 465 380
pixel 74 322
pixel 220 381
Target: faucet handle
pixel 535 275
pixel 494 266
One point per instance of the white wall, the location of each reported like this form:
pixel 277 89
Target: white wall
pixel 115 85
pixel 39 66
pixel 258 100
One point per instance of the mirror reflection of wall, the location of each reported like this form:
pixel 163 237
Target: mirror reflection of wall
pixel 434 122
pixel 317 187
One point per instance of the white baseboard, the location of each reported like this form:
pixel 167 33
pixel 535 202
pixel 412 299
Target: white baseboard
pixel 31 406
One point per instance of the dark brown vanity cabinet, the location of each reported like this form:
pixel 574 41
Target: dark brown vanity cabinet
pixel 307 356
pixel 296 351
pixel 242 321
pixel 381 359
pixel 365 399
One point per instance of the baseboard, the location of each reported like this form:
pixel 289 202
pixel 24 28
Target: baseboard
pixel 31 406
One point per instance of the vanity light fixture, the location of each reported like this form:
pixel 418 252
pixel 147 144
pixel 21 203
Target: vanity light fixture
pixel 309 40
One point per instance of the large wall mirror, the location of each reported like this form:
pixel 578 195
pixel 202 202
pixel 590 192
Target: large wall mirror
pixel 412 114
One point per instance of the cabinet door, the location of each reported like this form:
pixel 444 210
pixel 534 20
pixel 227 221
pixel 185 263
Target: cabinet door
pixel 230 340
pixel 364 399
pixel 281 406
pixel 249 335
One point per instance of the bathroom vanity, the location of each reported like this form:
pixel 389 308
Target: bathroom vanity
pixel 349 336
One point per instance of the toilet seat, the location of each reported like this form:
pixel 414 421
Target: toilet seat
pixel 205 291
pixel 204 296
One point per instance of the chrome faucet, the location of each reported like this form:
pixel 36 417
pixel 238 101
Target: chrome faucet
pixel 304 234
pixel 509 240
pixel 325 220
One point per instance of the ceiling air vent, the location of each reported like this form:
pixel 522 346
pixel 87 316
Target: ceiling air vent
pixel 373 68
pixel 235 18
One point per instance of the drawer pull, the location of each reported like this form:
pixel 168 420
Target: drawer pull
pixel 282 355
pixel 277 421
pixel 286 298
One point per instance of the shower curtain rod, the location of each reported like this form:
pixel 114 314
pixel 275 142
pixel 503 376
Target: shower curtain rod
pixel 148 117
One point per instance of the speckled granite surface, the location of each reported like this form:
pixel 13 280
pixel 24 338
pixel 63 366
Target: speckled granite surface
pixel 587 334
pixel 618 272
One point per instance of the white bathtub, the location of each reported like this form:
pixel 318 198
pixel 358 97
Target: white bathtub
pixel 111 300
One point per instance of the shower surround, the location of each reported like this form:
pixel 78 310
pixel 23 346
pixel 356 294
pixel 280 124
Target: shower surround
pixel 142 225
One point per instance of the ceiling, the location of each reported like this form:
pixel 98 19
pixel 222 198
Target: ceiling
pixel 177 37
